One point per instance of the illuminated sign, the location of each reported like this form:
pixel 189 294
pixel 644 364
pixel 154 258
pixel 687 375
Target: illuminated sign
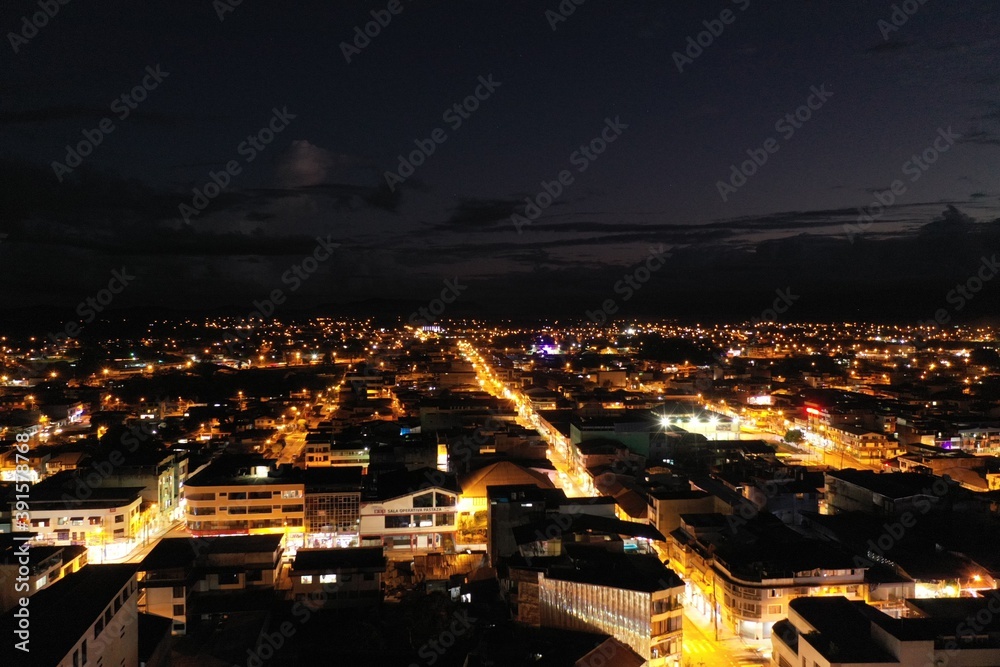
pixel 813 411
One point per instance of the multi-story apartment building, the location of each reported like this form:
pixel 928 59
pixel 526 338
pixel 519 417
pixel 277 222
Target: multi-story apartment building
pixel 66 509
pixel 86 619
pixel 46 565
pixel 338 577
pixel 743 574
pixel 243 496
pixel 837 632
pixel 884 494
pixel 632 597
pixel 865 444
pixel 180 572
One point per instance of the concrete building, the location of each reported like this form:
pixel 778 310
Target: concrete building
pixel 333 506
pixel 835 631
pixel 886 494
pixel 181 572
pixel 65 510
pixel 46 565
pixel 631 597
pixel 338 578
pixel 409 510
pixel 742 574
pixel 521 504
pixel 88 618
pixel 245 496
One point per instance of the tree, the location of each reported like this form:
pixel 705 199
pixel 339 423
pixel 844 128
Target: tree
pixel 794 436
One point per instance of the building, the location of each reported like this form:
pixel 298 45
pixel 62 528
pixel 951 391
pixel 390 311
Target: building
pixel 337 578
pixel 885 494
pixel 89 617
pixel 46 565
pixel 635 433
pixel 160 474
pixel 865 444
pixel 180 574
pixel 409 510
pixel 521 504
pixel 66 509
pixel 333 506
pixel 245 496
pixel 631 597
pixel 742 574
pixel 823 632
pixel 666 507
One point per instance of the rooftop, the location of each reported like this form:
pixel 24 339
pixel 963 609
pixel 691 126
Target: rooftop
pixel 339 559
pixel 62 613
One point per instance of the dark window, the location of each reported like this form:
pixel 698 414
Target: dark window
pixel 178 592
pixel 238 495
pixel 83 652
pixel 424 500
pixel 98 627
pixel 119 518
pixel 228 578
pixel 118 604
pixel 255 575
pixel 178 610
pixel 443 500
pixel 397 521
pixel 76 658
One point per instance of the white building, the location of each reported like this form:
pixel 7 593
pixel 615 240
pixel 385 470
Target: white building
pixel 410 510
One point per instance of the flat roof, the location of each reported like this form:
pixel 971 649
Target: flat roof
pixel 64 612
pixel 338 559
pixel 890 485
pixel 173 552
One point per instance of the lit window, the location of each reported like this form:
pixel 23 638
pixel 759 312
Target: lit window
pixel 307 579
pixel 327 578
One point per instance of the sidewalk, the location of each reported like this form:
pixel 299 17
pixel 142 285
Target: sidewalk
pixel 731 642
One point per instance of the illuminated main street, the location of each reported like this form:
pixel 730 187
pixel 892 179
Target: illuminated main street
pixel 699 646
pixel 558 447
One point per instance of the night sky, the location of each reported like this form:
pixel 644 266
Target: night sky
pixel 889 92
